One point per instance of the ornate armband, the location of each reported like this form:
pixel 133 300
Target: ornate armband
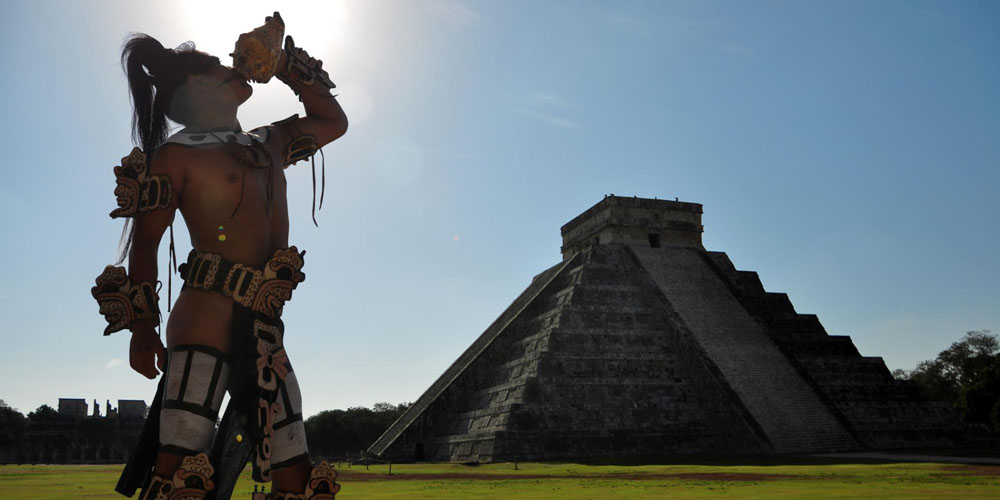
pixel 300 148
pixel 302 69
pixel 138 191
pixel 123 303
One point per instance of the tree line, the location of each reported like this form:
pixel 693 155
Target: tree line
pixel 14 425
pixel 338 433
pixel 331 433
pixel 966 374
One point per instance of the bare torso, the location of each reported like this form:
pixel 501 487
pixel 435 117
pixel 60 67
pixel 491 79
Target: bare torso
pixel 211 191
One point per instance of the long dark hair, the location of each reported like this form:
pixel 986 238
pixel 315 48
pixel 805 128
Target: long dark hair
pixel 157 78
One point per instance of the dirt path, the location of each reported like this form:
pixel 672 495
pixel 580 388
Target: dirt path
pixel 701 476
pixel 874 455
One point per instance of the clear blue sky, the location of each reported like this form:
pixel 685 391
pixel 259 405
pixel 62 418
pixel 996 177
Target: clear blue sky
pixel 847 151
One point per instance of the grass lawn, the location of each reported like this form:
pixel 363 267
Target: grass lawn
pixel 813 480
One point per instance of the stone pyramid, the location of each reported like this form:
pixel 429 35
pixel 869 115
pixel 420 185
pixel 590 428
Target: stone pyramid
pixel 640 343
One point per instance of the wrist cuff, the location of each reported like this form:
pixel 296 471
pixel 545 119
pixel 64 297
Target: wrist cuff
pixel 122 303
pixel 302 70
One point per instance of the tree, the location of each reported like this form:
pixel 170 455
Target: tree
pixel 979 400
pixel 44 412
pixel 12 424
pixel 339 432
pixel 935 380
pixel 965 359
pixel 966 374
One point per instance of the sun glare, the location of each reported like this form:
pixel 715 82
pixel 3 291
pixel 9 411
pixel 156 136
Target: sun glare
pixel 322 28
pixel 215 26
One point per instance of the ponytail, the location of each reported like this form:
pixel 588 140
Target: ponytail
pixel 156 80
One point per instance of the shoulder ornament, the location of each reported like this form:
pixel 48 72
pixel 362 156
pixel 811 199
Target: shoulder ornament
pixel 138 191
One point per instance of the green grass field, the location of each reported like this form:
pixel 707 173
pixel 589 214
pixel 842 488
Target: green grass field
pixel 854 481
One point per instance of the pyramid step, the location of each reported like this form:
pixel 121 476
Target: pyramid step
pixel 768 385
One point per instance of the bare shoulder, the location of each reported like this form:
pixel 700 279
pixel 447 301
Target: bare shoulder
pixel 170 155
pixel 171 160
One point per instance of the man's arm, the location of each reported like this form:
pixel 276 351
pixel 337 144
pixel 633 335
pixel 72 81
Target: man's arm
pixel 325 119
pixel 146 351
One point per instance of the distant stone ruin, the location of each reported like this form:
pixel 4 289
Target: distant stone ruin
pixel 642 343
pixel 72 437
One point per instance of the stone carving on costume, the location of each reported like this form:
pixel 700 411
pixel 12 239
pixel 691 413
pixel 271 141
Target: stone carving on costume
pixel 191 481
pixel 271 358
pixel 263 291
pixel 322 485
pixel 138 191
pixel 121 302
pixel 281 275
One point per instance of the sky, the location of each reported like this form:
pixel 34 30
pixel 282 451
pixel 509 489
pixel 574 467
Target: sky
pixel 849 152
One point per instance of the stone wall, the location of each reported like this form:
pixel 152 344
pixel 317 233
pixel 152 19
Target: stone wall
pixel 67 439
pixel 74 437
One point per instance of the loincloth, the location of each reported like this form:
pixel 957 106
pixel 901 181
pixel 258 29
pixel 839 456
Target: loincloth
pixel 265 399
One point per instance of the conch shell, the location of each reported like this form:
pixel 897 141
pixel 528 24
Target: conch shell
pixel 257 52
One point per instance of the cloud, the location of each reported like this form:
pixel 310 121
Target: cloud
pixel 114 362
pixel 548 99
pixel 545 106
pixel 549 119
pixel 456 12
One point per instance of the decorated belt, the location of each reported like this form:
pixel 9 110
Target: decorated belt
pixel 260 290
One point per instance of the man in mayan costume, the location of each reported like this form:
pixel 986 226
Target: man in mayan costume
pixel 225 330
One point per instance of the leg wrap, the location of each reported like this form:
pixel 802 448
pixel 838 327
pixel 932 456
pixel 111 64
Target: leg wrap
pixel 281 436
pixel 196 380
pixel 288 446
pixel 322 485
pixel 191 481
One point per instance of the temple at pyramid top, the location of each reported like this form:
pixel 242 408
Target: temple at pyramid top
pixel 634 221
